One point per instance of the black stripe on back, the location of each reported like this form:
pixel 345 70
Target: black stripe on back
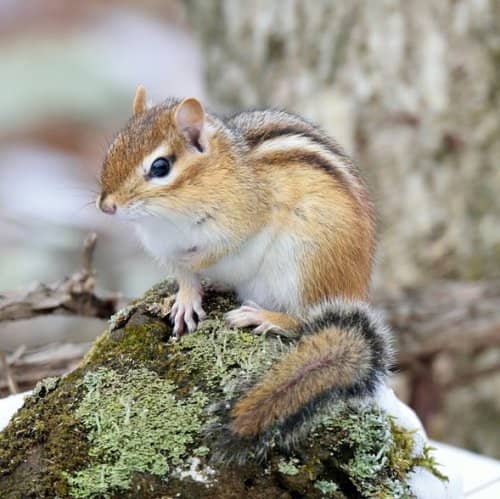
pixel 262 136
pixel 312 158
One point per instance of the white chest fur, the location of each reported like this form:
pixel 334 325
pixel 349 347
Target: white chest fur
pixel 263 269
pixel 170 239
pixel 164 239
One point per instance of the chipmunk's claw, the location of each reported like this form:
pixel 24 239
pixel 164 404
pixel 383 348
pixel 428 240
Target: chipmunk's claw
pixel 186 313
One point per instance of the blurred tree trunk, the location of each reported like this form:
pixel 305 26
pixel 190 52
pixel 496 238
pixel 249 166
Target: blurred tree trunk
pixel 412 90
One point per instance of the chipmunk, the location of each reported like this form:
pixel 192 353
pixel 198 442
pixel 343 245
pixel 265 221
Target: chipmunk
pixel 269 205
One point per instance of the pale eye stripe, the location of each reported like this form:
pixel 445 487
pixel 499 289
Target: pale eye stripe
pixel 147 161
pixel 163 150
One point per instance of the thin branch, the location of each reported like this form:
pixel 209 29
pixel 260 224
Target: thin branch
pixel 88 252
pixel 468 344
pixel 16 355
pixel 11 382
pixel 448 320
pixel 41 362
pixel 74 295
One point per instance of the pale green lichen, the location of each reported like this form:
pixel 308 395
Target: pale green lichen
pixel 121 317
pixel 370 434
pixel 326 487
pixel 381 451
pixel 201 451
pixel 288 467
pixel 135 423
pixel 45 386
pixel 223 358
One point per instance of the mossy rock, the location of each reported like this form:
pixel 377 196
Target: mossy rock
pixel 134 420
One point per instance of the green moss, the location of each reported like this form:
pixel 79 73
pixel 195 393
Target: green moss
pixel 428 461
pixel 141 345
pixel 400 455
pixel 43 435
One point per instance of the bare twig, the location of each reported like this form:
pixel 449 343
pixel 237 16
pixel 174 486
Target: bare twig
pixel 88 252
pixel 16 355
pixel 11 382
pixel 74 295
pixel 41 362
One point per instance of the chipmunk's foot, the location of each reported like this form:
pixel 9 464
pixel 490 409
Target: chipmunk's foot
pixel 187 311
pixel 267 321
pixel 249 314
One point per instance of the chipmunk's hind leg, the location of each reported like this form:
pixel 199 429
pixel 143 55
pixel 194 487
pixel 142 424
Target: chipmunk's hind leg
pixel 251 314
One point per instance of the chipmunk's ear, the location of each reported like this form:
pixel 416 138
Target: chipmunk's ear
pixel 140 105
pixel 190 121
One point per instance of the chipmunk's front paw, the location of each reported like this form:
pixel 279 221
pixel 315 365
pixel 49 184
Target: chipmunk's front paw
pixel 186 312
pixel 249 314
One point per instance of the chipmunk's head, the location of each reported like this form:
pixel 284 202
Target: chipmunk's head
pixel 156 161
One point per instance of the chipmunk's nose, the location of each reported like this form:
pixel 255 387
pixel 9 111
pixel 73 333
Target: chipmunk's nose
pixel 106 204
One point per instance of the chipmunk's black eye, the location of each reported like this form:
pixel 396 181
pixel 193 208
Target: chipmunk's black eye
pixel 160 168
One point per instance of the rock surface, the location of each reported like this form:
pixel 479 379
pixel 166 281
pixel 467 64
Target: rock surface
pixel 141 417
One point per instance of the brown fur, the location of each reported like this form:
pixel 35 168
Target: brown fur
pixel 284 322
pixel 335 224
pixel 329 357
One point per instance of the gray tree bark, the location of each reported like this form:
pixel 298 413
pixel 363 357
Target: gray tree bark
pixel 412 90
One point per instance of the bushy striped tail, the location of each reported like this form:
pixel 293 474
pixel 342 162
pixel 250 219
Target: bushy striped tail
pixel 344 354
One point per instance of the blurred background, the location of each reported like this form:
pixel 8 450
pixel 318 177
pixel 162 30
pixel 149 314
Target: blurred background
pixel 410 88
